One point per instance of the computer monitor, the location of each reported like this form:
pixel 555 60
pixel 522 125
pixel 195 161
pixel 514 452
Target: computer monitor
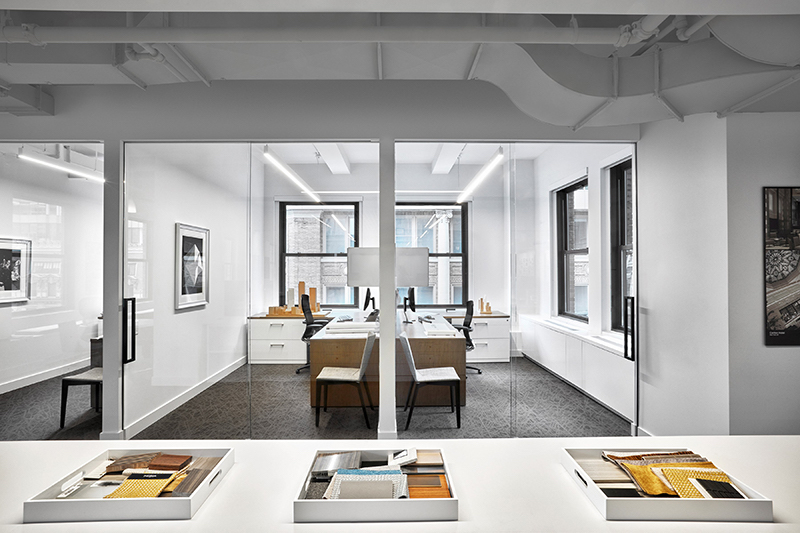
pixel 369 298
pixel 409 302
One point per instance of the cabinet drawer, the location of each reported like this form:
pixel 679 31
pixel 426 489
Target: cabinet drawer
pixel 490 350
pixel 490 328
pixel 277 351
pixel 266 328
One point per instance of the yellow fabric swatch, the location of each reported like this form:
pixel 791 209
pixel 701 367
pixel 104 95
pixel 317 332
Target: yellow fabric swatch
pixel 679 478
pixel 650 483
pixel 142 486
pixel 175 482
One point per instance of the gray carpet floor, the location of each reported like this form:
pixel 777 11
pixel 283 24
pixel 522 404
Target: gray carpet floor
pixel 544 406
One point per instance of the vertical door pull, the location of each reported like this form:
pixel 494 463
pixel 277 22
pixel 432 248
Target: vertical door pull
pixel 128 330
pixel 629 328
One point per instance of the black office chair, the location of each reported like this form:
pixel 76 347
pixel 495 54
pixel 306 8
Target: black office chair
pixel 312 326
pixel 466 328
pixel 332 375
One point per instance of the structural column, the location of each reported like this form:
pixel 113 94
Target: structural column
pixel 387 423
pixel 113 219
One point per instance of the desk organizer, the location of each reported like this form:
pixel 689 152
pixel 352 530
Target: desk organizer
pixel 47 507
pixel 756 508
pixel 375 510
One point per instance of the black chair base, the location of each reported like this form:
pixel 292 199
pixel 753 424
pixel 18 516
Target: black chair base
pixel 306 366
pixel 475 368
pixel 455 398
pixel 322 388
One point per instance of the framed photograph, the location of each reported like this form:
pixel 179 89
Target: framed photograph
pixel 782 265
pixel 15 270
pixel 191 266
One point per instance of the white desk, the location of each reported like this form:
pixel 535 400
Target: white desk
pixel 503 484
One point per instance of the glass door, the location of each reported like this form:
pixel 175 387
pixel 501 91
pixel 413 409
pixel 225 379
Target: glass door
pixel 186 290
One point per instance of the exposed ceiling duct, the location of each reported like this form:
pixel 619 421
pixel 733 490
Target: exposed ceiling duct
pixel 605 70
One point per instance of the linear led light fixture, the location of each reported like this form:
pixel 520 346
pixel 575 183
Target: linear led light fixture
pixel 284 169
pixel 481 175
pixel 60 164
pixel 339 222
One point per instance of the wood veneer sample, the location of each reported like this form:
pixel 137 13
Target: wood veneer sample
pixel 141 460
pixel 428 458
pixel 169 462
pixel 428 486
pixel 199 470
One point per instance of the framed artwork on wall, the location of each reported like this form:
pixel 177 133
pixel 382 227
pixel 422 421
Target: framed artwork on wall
pixel 191 266
pixel 15 270
pixel 782 265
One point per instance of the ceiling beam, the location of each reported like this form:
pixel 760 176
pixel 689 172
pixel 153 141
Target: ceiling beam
pixel 42 35
pixel 589 7
pixel 759 96
pixel 334 157
pixel 26 100
pixel 446 156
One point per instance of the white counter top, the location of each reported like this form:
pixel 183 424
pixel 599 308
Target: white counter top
pixel 502 484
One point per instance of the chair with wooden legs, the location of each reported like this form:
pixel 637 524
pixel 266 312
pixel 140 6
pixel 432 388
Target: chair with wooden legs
pixel 332 375
pixel 446 376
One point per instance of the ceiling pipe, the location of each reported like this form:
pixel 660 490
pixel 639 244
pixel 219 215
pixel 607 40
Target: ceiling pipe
pixel 622 36
pixel 684 33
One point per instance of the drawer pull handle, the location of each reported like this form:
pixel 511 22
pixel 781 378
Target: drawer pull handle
pixel 481 323
pixel 581 478
pixel 215 477
pixel 273 324
pixel 278 344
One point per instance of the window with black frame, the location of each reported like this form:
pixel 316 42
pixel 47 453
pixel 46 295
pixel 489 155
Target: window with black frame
pixel 442 229
pixel 621 223
pixel 314 239
pixel 573 256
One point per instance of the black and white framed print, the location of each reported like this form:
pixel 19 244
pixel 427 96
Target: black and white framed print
pixel 782 265
pixel 191 266
pixel 15 270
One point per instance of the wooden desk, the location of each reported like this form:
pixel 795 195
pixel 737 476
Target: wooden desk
pixel 346 350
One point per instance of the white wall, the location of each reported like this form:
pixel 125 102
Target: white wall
pixel 683 276
pixel 763 151
pixel 43 338
pixel 556 168
pixel 179 353
pixel 575 354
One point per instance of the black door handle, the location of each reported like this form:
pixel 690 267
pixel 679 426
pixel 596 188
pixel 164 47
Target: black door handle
pixel 128 330
pixel 629 329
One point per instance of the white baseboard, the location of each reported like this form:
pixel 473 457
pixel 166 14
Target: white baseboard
pixel 18 383
pixel 179 400
pixel 112 435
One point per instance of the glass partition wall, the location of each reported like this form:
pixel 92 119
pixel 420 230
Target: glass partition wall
pixel 51 288
pixel 311 202
pixel 229 244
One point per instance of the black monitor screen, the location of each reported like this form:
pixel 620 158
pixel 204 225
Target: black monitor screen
pixel 369 299
pixel 412 301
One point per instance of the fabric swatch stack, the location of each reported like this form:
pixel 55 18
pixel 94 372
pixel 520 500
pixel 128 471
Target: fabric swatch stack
pixel 667 473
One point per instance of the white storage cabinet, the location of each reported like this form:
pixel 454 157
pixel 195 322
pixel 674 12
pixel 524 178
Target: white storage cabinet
pixel 276 340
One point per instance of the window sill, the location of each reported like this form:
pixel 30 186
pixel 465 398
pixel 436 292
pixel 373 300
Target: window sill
pixel 610 341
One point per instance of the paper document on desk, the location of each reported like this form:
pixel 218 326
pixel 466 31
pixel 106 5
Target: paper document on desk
pixel 352 327
pixel 438 330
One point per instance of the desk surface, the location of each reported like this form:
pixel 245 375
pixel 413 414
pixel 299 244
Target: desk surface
pixel 462 313
pixel 502 484
pixel 415 330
